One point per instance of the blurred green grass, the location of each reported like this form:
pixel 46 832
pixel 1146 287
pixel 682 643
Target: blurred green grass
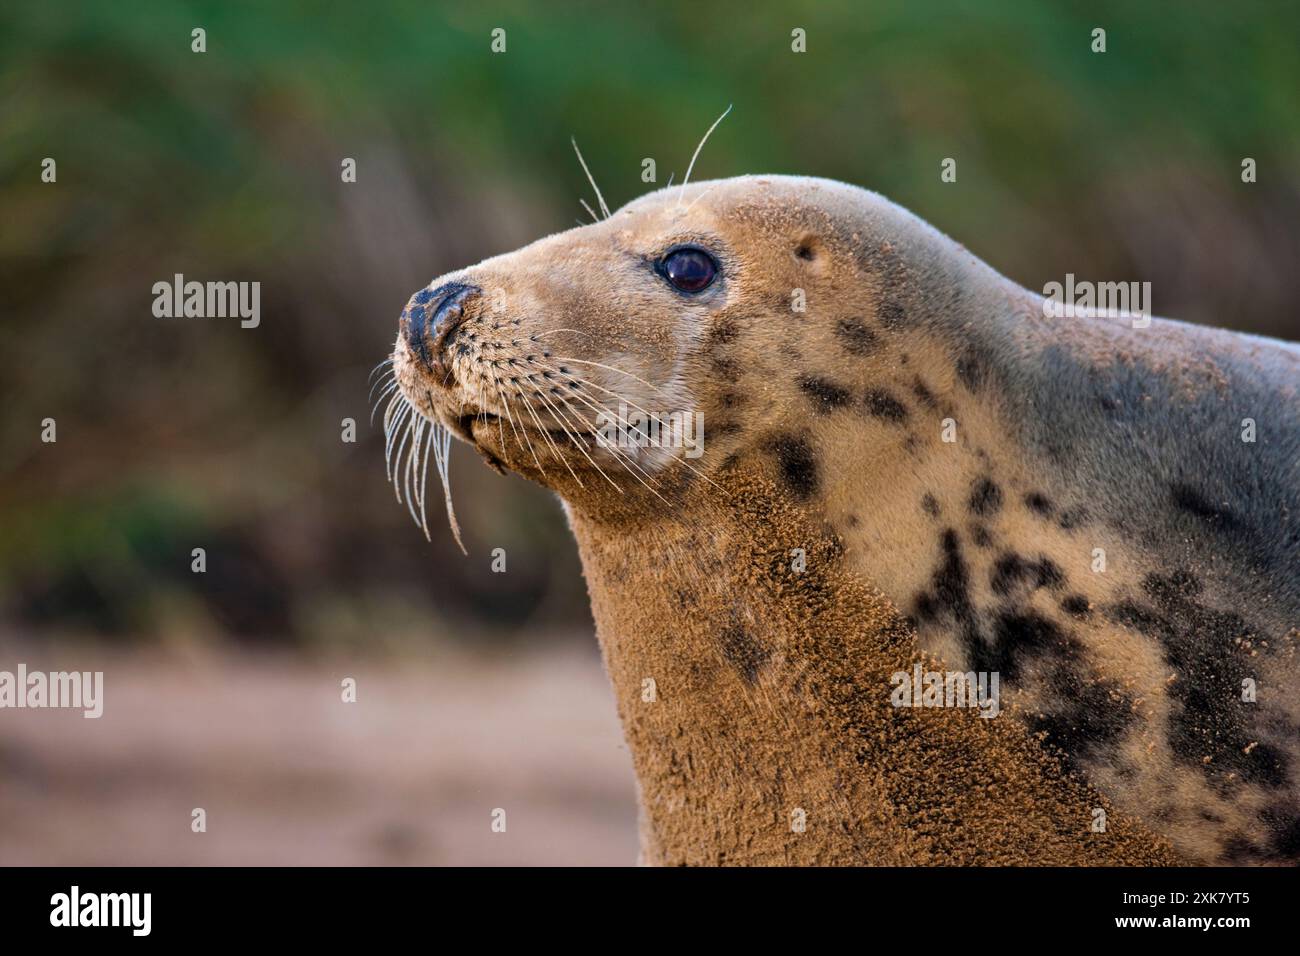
pixel 226 165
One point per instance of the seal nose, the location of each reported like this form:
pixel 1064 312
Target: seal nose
pixel 432 315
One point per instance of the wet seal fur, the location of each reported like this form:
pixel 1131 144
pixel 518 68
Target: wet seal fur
pixel 769 736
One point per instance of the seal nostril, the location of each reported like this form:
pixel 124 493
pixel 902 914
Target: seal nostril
pixel 450 312
pixel 433 315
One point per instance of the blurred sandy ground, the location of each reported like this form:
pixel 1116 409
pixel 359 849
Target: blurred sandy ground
pixel 289 774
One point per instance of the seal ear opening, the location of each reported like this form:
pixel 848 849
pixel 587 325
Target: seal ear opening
pixel 808 248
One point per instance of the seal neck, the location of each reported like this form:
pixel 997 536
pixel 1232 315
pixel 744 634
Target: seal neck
pixel 752 673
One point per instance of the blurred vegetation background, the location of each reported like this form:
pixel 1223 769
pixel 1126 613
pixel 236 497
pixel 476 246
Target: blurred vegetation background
pixel 175 434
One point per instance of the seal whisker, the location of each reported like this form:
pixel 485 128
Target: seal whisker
pixel 550 441
pixel 538 335
pixel 382 384
pixel 388 376
pixel 627 461
pixel 501 433
pixel 505 404
pixel 483 403
pixel 590 212
pixel 483 412
pixel 402 471
pixel 622 398
pixel 391 427
pixel 397 458
pixel 533 451
pixel 628 465
pixel 622 457
pixel 704 193
pixel 394 402
pixel 424 481
pixel 412 461
pixel 440 442
pixel 394 405
pixel 413 466
pixel 568 358
pixel 401 417
pixel 563 420
pixel 685 464
pixel 380 400
pixel 687 178
pixel 591 179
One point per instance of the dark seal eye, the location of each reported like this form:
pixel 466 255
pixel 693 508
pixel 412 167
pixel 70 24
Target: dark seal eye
pixel 689 270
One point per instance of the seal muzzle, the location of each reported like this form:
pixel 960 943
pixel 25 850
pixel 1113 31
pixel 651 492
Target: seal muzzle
pixel 430 317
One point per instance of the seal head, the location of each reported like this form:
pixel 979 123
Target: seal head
pixel 561 360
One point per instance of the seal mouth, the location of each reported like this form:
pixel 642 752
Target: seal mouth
pixel 463 427
pixel 487 424
pixel 498 425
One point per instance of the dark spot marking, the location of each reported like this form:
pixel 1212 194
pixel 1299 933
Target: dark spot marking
pixel 805 252
pixel 980 535
pixel 1016 635
pixel 727 369
pixel 1039 504
pixel 723 332
pixel 1011 570
pixel 731 399
pixel 1188 499
pixel 891 315
pixel 1110 405
pixel 923 394
pixel 857 338
pixel 1203 646
pixel 883 405
pixel 985 497
pixel 1081 715
pixel 1087 715
pixel 1072 518
pixel 930 505
pixel 826 396
pixel 797 464
pixel 1238 849
pixel 1048 574
pixel 949 592
pixel 743 651
pixel 1284 824
pixel 972 368
pixel 1077 606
